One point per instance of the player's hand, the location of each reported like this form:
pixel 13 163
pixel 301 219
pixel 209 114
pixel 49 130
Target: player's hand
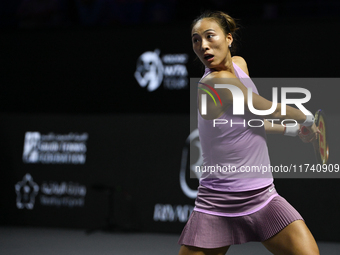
pixel 311 136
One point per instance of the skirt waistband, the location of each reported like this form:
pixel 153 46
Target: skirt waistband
pixel 233 204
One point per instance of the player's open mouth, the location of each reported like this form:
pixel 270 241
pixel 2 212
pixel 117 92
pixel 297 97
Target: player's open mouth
pixel 209 57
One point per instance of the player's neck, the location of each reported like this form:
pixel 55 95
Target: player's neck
pixel 227 65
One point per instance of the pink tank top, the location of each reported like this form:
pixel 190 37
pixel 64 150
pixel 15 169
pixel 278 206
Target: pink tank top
pixel 239 150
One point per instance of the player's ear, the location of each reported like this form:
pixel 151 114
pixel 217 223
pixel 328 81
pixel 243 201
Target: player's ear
pixel 229 39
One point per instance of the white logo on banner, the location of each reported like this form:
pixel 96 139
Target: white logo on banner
pixel 55 148
pixel 172 213
pixel 63 194
pixel 26 191
pixel 31 150
pixel 192 138
pixel 67 194
pixel 181 213
pixel 170 69
pixel 149 70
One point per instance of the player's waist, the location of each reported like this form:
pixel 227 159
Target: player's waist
pixel 233 204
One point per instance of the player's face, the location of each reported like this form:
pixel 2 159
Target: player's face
pixel 210 43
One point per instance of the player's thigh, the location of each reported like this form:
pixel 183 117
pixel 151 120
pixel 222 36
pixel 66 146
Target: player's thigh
pixel 190 250
pixel 295 239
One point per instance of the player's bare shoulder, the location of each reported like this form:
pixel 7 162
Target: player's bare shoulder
pixel 222 77
pixel 241 63
pixel 217 77
pixel 222 74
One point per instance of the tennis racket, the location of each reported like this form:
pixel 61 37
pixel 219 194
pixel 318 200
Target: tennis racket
pixel 320 145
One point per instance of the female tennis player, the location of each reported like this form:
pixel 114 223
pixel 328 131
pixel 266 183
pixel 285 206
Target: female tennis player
pixel 235 207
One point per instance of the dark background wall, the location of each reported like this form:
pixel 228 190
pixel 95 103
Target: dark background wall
pixel 78 76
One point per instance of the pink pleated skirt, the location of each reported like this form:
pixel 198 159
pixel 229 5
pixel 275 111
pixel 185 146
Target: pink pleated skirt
pixel 212 231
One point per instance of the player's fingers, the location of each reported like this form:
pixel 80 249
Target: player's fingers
pixel 313 137
pixel 304 138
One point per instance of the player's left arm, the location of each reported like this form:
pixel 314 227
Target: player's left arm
pixel 273 128
pixel 269 126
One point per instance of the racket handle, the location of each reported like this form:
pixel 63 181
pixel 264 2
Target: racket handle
pixel 304 130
